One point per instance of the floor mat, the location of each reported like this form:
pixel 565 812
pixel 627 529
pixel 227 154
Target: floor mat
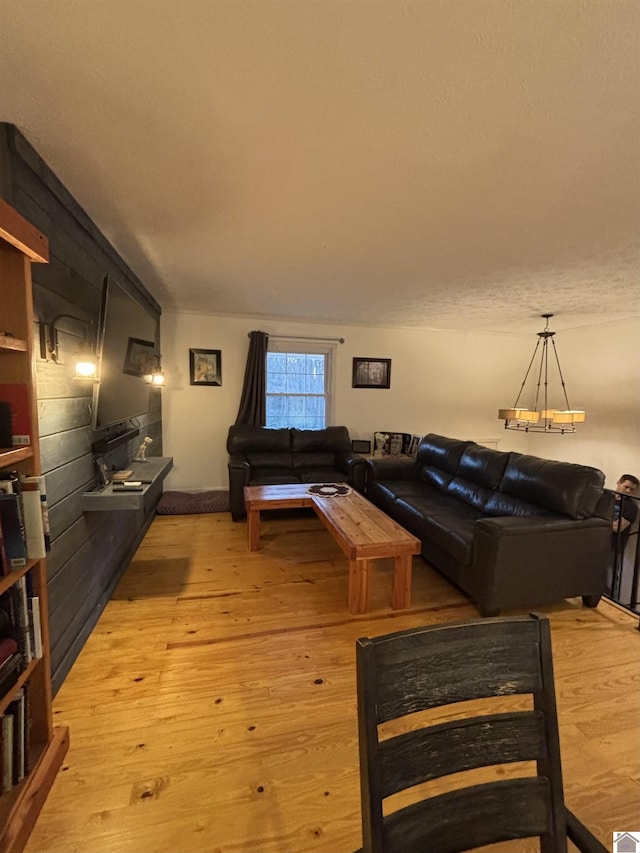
pixel 184 503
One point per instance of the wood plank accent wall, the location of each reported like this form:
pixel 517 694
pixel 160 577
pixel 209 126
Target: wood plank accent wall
pixel 89 551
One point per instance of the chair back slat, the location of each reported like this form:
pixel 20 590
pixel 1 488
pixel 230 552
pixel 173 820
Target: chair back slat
pixel 425 670
pixel 472 817
pixel 429 753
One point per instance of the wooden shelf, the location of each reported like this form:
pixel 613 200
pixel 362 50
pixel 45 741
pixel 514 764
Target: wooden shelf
pixel 10 456
pixel 10 344
pixel 19 809
pixel 154 470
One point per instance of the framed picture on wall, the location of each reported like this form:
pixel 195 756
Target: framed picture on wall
pixel 205 366
pixel 140 357
pixel 371 373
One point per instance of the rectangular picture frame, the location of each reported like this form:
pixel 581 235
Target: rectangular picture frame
pixel 140 357
pixel 371 373
pixel 205 366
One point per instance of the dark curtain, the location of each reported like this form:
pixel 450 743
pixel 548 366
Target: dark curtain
pixel 253 403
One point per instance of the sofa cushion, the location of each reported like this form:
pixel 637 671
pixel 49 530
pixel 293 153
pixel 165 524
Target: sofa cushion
pixel 333 439
pixel 411 489
pixel 272 476
pixel 321 475
pixel 269 460
pixel 314 460
pixel 247 439
pixel 446 521
pixel 561 487
pixel 500 503
pixel 483 466
pixel 471 493
pixel 441 452
pixel 436 477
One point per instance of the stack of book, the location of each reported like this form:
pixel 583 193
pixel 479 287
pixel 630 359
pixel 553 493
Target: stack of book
pixel 24 520
pixel 20 643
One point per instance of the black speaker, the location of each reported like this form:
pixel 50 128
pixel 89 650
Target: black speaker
pixel 6 436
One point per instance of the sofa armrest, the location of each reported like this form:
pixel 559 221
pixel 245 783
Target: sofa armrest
pixel 239 475
pixel 538 558
pixel 528 525
pixel 390 468
pixel 355 467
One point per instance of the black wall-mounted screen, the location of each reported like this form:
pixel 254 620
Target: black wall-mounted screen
pixel 126 349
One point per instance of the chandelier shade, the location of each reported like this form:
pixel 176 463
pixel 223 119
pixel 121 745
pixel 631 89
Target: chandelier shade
pixel 542 418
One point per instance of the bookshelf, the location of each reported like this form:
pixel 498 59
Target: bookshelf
pixel 21 245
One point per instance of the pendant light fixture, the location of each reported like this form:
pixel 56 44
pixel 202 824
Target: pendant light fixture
pixel 542 418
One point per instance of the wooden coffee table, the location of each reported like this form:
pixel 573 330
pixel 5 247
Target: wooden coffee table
pixel 362 530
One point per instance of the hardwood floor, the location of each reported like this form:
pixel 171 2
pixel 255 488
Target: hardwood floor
pixel 213 707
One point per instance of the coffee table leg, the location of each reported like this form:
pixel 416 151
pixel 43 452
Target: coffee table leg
pixel 359 577
pixel 253 518
pixel 401 595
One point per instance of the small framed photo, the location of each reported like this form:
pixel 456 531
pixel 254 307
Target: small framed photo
pixel 371 373
pixel 414 444
pixel 205 366
pixel 140 357
pixel 103 471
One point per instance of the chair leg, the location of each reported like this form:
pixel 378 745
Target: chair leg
pixel 578 833
pixel 591 600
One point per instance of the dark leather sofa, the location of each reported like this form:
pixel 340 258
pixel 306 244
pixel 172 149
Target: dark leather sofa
pixel 510 530
pixel 259 457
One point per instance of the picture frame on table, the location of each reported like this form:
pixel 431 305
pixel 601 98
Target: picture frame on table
pixel 414 444
pixel 371 373
pixel 205 366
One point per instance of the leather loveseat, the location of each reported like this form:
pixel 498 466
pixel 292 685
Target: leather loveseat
pixel 510 530
pixel 259 457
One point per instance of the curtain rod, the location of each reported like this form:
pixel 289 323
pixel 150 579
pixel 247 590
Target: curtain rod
pixel 304 338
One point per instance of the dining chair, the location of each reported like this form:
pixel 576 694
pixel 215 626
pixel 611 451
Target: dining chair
pixel 473 699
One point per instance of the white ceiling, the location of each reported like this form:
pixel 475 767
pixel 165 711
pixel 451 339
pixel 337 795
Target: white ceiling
pixel 462 164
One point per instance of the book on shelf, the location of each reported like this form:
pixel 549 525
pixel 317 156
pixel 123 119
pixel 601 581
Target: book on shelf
pixel 16 709
pixel 14 602
pixel 12 531
pixel 8 647
pixel 17 395
pixel 7 752
pixel 40 482
pixel 24 638
pixel 5 568
pixel 36 626
pixel 9 672
pixel 32 518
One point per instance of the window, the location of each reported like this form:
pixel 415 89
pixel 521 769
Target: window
pixel 298 385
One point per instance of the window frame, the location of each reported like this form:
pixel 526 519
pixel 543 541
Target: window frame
pixel 302 347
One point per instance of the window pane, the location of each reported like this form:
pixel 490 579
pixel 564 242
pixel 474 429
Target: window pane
pixel 276 382
pixel 315 365
pixel 276 406
pixel 295 406
pixel 295 363
pixel 276 361
pixel 314 384
pixel 314 407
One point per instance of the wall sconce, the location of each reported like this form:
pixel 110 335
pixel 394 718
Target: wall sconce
pixel 156 377
pixel 86 364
